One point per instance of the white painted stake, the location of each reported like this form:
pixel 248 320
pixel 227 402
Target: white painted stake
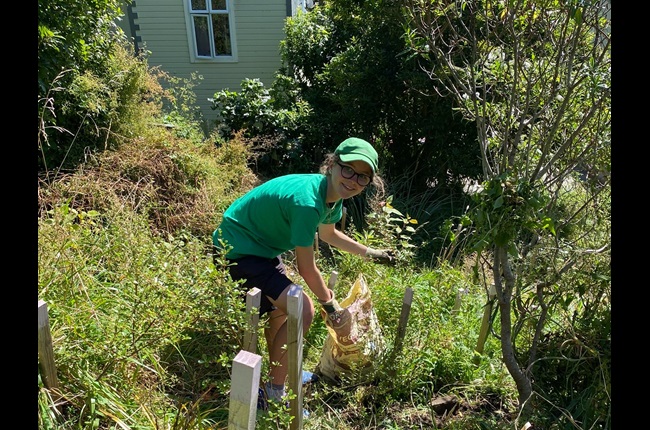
pixel 253 299
pixel 332 280
pixel 294 349
pixel 244 387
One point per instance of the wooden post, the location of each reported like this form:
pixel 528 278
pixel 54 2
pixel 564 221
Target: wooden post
pixel 332 280
pixel 401 327
pixel 485 324
pixel 459 296
pixel 45 350
pixel 404 317
pixel 244 387
pixel 343 218
pixel 294 349
pixel 253 299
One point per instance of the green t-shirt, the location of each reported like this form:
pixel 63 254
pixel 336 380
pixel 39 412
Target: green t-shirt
pixel 277 216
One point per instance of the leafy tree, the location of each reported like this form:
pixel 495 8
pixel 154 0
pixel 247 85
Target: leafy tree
pixel 272 121
pixel 534 77
pixel 349 61
pixel 90 85
pixel 73 36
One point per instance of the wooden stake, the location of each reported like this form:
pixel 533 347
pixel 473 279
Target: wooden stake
pixel 46 356
pixel 253 300
pixel 294 349
pixel 401 328
pixel 456 308
pixel 244 387
pixel 45 349
pixel 404 317
pixel 485 323
pixel 332 280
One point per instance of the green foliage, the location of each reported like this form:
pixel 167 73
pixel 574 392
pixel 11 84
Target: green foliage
pixel 390 228
pixel 90 91
pixel 278 415
pixel 582 351
pixel 262 116
pixel 258 111
pixel 347 58
pixel 83 112
pixel 535 78
pixel 75 36
pixel 137 297
pixel 181 111
pixel 249 110
pixel 506 208
pixel 146 322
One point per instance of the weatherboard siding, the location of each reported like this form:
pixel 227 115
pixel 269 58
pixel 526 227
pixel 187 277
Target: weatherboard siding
pixel 259 29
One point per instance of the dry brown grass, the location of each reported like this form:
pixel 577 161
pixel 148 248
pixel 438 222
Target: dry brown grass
pixel 178 185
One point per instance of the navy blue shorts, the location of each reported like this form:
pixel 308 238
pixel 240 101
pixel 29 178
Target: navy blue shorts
pixel 267 274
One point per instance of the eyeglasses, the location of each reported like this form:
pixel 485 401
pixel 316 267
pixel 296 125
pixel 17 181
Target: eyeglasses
pixel 348 173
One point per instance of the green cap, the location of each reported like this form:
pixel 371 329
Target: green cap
pixel 355 149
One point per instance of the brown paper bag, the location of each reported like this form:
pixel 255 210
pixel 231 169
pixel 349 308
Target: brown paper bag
pixel 354 339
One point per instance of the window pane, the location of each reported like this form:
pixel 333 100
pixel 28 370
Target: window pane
pixel 202 36
pixel 221 29
pixel 198 5
pixel 219 4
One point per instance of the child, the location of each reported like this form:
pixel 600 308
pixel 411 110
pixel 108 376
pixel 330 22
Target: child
pixel 283 214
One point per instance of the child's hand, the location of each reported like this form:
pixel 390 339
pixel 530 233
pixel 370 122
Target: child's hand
pixel 381 256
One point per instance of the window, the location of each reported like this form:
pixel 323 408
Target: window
pixel 211 30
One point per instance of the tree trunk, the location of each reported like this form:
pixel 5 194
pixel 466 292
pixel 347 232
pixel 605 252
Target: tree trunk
pixel 503 272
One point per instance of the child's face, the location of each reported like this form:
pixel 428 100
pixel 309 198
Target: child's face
pixel 350 179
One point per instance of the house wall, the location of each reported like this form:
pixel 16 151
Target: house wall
pixel 159 26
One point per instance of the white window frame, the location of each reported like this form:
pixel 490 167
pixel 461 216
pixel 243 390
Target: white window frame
pixel 191 34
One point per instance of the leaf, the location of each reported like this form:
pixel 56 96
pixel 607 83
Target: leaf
pixel 392 210
pixel 502 238
pixel 548 224
pixel 512 250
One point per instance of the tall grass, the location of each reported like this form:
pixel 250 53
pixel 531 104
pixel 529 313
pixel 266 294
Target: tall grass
pixel 145 326
pixel 145 323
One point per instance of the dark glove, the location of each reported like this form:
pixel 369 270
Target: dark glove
pixel 336 317
pixel 330 305
pixel 381 256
